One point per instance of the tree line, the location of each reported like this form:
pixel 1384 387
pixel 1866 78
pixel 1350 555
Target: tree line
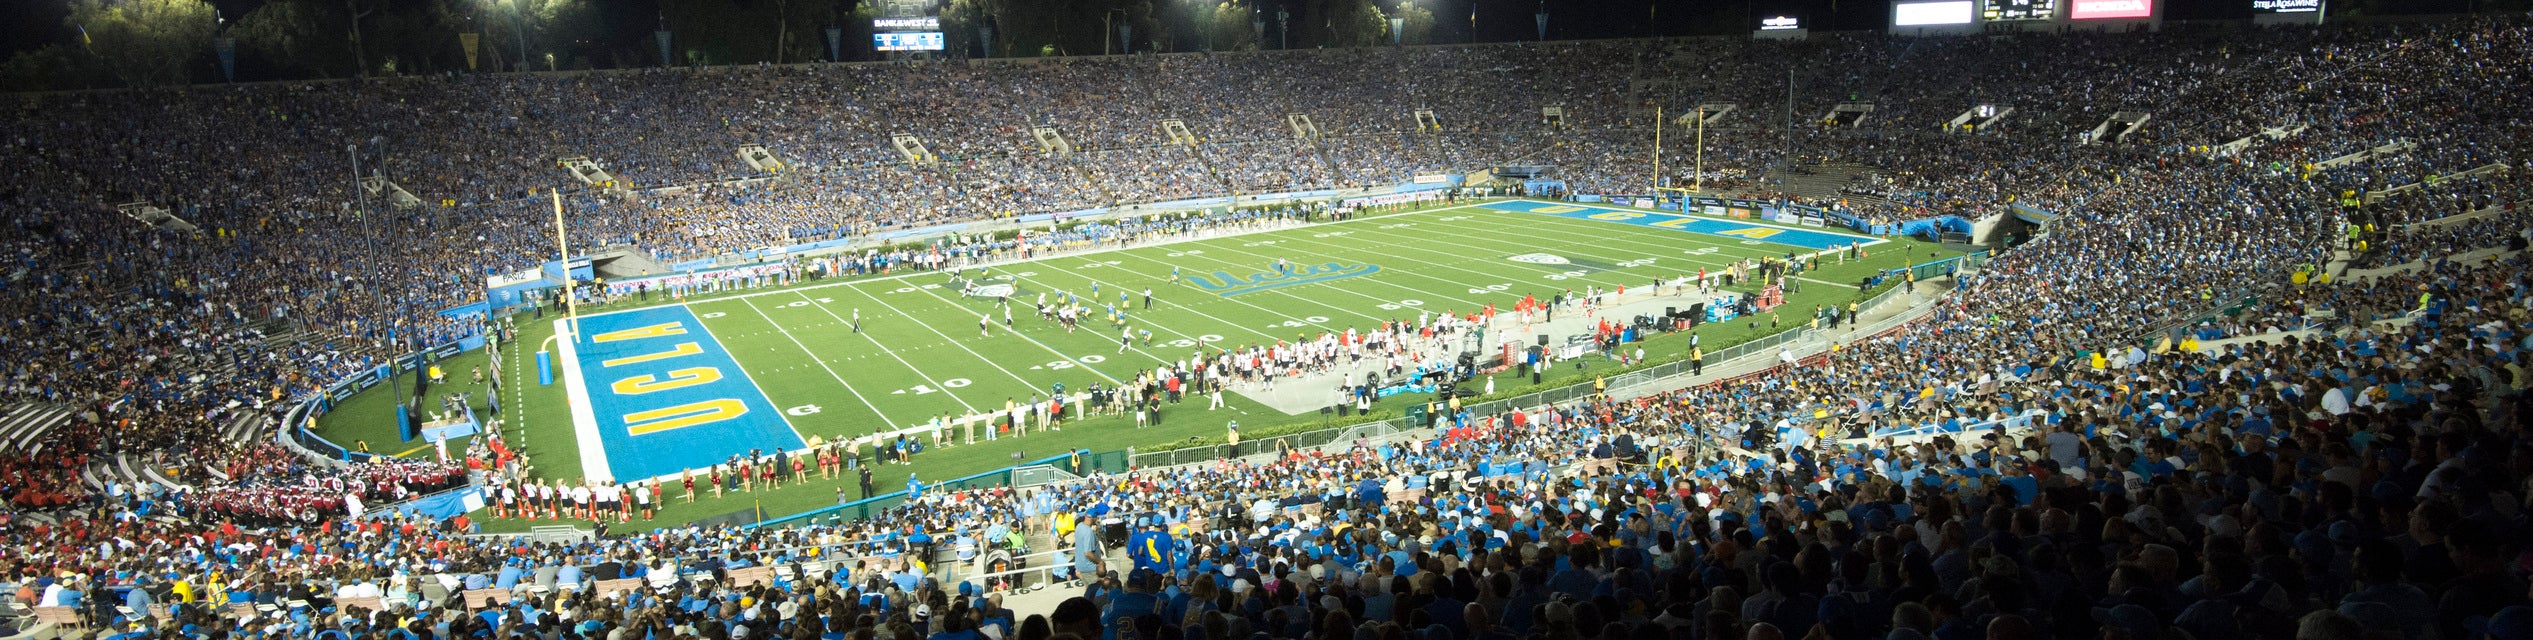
pixel 160 43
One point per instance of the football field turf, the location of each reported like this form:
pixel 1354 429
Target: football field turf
pixel 920 353
pixel 654 390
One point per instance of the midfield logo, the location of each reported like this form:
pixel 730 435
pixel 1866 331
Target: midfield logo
pixel 1222 283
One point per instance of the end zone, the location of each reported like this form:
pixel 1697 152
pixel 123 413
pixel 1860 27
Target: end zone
pixel 667 396
pixel 1750 231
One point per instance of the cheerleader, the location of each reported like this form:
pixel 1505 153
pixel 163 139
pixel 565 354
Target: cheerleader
pixel 553 504
pixel 509 501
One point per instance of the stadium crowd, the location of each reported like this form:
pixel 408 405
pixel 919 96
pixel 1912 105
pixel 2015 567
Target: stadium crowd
pixel 2368 478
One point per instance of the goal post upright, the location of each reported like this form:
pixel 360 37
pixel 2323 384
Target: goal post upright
pixel 563 253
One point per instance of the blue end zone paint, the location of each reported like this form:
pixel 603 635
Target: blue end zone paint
pixel 632 457
pixel 1785 235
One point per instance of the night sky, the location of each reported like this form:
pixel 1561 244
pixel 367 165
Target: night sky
pixel 30 24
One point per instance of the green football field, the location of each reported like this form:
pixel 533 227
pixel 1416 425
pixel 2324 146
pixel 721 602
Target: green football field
pixel 804 373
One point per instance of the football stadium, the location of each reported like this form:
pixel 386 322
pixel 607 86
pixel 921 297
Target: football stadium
pixel 1266 319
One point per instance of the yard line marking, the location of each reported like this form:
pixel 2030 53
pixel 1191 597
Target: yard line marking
pixel 1345 290
pixel 1206 243
pixel 1191 338
pixel 875 342
pixel 1589 279
pixel 1169 302
pixel 1287 294
pixel 1733 248
pixel 813 357
pixel 743 369
pixel 1456 283
pixel 1420 293
pixel 1739 248
pixel 1024 382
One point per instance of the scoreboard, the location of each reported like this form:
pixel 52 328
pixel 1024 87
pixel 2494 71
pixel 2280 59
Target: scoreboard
pixel 2005 10
pixel 912 41
pixel 918 33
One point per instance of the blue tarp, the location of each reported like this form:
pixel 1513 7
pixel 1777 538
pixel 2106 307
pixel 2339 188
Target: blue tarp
pixel 438 506
pixel 464 310
pixel 1939 224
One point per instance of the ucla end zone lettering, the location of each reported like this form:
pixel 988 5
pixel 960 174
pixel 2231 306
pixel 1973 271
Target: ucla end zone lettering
pixel 663 396
pixel 1751 231
pixel 1222 283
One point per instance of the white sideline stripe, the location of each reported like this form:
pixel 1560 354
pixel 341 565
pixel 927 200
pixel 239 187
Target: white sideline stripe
pixel 875 342
pixel 518 390
pixel 593 452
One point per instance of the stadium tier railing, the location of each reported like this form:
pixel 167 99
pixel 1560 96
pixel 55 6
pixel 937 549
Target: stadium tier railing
pixel 1289 441
pixel 2013 424
pixel 864 508
pixel 2175 327
pixel 1036 475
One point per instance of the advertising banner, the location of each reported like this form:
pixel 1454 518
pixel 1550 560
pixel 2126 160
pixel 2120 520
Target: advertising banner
pixel 1912 14
pixel 2101 9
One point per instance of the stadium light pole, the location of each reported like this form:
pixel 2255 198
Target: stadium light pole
pixel 1109 41
pixel 1658 125
pixel 1283 29
pixel 369 227
pixel 1785 144
pixel 519 27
